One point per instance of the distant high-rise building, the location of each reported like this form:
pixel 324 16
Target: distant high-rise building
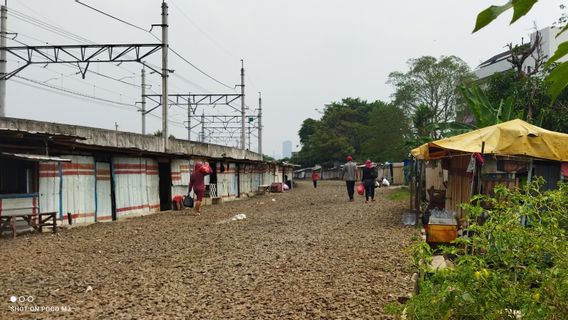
pixel 287 149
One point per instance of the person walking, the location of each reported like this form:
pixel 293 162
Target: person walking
pixel 197 184
pixel 350 174
pixel 315 177
pixel 368 178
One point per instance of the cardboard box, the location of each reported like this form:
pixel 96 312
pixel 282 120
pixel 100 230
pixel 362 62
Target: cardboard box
pixel 441 233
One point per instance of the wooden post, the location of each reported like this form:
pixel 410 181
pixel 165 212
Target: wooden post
pixel 411 184
pixel 54 222
pixel 478 169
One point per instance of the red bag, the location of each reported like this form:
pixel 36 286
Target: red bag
pixel 360 189
pixel 206 168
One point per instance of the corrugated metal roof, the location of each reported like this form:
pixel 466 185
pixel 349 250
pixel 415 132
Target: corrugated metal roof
pixel 35 157
pixel 289 164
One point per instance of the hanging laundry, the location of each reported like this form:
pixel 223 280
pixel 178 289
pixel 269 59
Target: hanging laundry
pixel 564 169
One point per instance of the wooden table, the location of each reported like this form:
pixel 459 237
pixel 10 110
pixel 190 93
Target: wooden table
pixel 263 188
pixel 44 219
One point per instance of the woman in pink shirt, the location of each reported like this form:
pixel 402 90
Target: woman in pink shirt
pixel 197 183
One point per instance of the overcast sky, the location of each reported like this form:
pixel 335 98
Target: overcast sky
pixel 302 54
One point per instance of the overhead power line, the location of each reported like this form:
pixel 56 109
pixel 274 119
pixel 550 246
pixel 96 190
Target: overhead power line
pixel 49 27
pixel 82 96
pixel 30 9
pixel 198 69
pixel 75 67
pixel 69 91
pixel 180 10
pixel 150 32
pixel 65 91
pixel 23 35
pixel 116 18
pixel 61 32
pixel 74 37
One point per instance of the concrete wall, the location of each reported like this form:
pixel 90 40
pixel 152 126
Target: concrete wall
pixel 127 140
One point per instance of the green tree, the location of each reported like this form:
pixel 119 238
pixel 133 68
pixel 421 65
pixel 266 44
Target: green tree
pixel 307 129
pixel 430 89
pixel 348 119
pixel 266 157
pixel 387 132
pixel 352 127
pixel 340 131
pixel 421 119
pixel 484 112
pixel 530 91
pixel 327 146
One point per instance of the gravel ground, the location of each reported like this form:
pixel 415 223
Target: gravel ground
pixel 306 254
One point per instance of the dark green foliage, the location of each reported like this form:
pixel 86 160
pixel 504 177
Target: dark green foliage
pixel 308 128
pixel 505 268
pixel 158 133
pixel 353 127
pixel 530 92
pixel 267 158
pixel 386 135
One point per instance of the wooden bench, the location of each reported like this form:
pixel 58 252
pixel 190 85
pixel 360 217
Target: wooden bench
pixel 262 189
pixel 45 219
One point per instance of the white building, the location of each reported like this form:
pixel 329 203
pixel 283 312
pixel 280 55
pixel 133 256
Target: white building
pixel 500 63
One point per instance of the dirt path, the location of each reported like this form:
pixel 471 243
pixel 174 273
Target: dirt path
pixel 307 254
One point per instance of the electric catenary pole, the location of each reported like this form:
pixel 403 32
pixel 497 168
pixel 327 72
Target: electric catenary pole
pixel 214 127
pixel 143 111
pixel 165 75
pixel 3 34
pixel 260 124
pixel 243 106
pixel 81 55
pixel 188 119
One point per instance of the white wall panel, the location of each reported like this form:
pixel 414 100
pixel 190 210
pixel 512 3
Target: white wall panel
pixel 152 186
pixel 78 189
pixel 104 200
pixel 49 188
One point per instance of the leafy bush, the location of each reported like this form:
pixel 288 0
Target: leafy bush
pixel 513 266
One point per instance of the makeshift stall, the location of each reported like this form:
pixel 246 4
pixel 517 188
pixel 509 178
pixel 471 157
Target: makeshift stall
pixel 510 154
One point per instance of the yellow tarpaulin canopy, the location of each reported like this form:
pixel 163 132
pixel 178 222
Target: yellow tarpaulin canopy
pixel 513 138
